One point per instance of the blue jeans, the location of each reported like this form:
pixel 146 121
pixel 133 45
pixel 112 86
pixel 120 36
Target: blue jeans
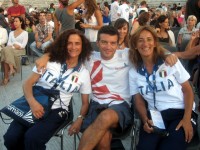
pixel 20 137
pixel 39 52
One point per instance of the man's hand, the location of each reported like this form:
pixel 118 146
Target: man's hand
pixel 188 129
pixel 38 44
pixel 171 60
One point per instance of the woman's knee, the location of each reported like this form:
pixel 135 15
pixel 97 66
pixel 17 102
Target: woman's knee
pixel 12 140
pixel 31 138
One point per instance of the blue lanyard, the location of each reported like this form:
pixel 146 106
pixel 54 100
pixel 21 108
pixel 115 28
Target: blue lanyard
pixel 62 71
pixel 152 84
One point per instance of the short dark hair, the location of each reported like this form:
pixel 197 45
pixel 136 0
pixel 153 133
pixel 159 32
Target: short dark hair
pixel 108 30
pixel 42 12
pixel 58 49
pixel 143 3
pixel 1 10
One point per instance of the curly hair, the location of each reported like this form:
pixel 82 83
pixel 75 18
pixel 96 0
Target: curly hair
pixel 134 55
pixel 58 49
pixel 120 23
pixel 91 6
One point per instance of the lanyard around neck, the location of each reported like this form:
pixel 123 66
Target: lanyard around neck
pixel 152 85
pixel 62 71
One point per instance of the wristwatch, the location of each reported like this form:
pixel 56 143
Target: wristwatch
pixel 81 116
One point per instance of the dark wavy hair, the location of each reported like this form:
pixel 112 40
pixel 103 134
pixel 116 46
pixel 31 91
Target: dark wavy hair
pixel 58 49
pixel 120 23
pixel 161 19
pixel 31 21
pixel 22 21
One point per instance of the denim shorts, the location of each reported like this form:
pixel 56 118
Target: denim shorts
pixel 123 110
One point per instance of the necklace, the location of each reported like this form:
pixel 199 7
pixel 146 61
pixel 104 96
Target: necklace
pixel 120 45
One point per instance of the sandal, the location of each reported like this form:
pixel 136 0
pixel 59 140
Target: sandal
pixel 5 81
pixel 12 73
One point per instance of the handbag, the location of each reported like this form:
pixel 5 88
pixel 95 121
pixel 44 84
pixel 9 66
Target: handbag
pixel 20 111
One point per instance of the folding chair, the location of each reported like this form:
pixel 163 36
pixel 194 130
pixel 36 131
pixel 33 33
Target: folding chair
pixel 69 120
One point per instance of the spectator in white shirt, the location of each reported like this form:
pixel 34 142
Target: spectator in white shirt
pixel 49 19
pixel 123 10
pixel 113 11
pixel 143 6
pixel 3 38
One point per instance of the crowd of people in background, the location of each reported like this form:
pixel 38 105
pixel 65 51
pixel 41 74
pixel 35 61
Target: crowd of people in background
pixel 120 26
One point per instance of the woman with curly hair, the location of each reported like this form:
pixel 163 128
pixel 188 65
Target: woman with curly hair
pixel 92 20
pixel 122 27
pixel 65 74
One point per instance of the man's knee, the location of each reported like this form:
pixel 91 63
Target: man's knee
pixel 33 45
pixel 45 45
pixel 108 117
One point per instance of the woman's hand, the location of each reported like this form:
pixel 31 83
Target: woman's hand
pixel 147 126
pixel 16 46
pixel 188 129
pixel 75 127
pixel 83 25
pixel 37 109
